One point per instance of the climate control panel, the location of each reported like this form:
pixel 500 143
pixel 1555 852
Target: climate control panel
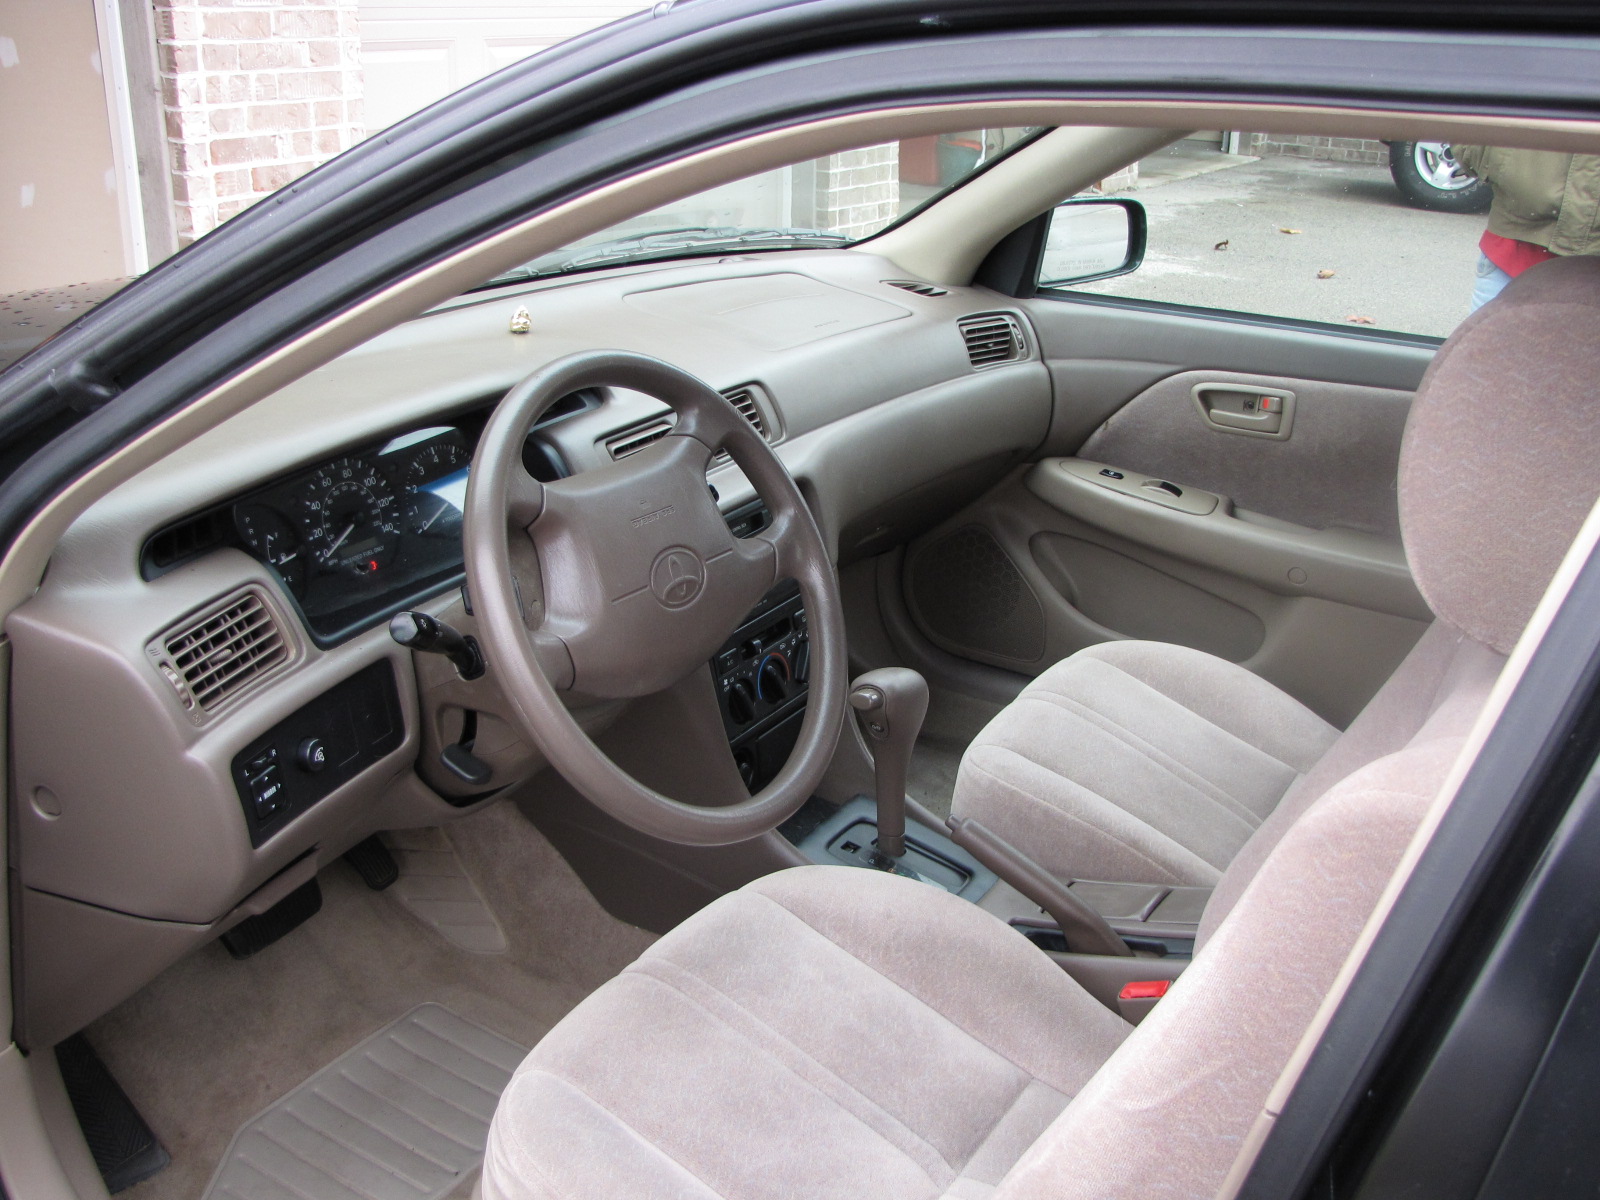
pixel 761 674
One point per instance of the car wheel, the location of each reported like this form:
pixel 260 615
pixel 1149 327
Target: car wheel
pixel 1428 176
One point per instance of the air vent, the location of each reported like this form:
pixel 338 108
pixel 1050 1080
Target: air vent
pixel 917 286
pixel 744 399
pixel 189 538
pixel 222 652
pixel 637 439
pixel 992 339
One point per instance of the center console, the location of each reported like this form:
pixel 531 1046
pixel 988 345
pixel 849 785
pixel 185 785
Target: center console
pixel 761 676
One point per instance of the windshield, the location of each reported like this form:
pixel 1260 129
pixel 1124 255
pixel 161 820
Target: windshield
pixel 837 200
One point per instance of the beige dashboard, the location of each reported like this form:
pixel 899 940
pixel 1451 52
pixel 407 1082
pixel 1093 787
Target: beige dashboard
pixel 134 837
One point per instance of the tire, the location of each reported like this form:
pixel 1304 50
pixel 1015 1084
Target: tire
pixel 1428 177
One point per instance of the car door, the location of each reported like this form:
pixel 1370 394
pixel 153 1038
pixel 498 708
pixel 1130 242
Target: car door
pixel 1215 477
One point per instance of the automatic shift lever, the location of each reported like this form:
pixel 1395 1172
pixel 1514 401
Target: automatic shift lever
pixel 891 703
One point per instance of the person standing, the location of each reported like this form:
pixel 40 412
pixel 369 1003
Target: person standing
pixel 1546 205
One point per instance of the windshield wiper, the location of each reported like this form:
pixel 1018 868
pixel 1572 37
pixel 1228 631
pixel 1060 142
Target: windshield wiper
pixel 666 243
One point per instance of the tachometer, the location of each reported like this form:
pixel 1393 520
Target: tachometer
pixel 436 487
pixel 351 518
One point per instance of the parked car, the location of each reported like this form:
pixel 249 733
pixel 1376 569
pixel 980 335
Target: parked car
pixel 432 601
pixel 1428 176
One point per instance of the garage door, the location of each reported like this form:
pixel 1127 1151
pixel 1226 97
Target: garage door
pixel 416 52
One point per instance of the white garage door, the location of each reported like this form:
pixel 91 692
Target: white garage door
pixel 416 51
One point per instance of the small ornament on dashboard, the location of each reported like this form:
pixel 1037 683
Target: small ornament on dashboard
pixel 521 321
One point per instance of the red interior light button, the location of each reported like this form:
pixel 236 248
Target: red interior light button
pixel 1145 989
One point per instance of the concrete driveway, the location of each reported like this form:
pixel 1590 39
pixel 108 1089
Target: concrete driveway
pixel 1401 267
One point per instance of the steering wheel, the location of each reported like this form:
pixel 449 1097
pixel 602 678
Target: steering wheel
pixel 633 581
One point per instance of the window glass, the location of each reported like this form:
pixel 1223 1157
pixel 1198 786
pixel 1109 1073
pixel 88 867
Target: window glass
pixel 831 201
pixel 1341 230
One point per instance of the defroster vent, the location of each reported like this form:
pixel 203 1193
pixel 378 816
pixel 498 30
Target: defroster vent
pixel 917 286
pixel 993 338
pixel 223 651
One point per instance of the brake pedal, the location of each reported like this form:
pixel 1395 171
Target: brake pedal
pixel 254 934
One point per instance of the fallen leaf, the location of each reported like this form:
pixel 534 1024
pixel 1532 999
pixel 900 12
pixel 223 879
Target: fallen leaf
pixel 1286 229
pixel 1324 274
pixel 1361 320
pixel 1222 245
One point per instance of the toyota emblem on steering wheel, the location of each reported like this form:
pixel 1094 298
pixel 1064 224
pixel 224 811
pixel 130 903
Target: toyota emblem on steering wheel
pixel 677 576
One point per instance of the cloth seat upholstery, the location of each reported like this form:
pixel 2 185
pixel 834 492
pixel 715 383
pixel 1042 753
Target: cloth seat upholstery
pixel 916 1085
pixel 1140 762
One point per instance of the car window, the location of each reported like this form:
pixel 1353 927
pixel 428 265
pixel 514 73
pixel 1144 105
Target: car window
pixel 836 200
pixel 1348 231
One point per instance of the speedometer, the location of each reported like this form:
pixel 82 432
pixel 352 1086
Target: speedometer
pixel 351 518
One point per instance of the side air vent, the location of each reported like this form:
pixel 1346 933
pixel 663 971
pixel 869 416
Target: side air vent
pixel 992 339
pixel 222 652
pixel 636 439
pixel 917 286
pixel 744 399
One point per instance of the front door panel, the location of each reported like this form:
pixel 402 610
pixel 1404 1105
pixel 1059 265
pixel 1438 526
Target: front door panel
pixel 1270 542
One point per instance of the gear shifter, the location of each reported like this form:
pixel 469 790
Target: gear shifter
pixel 890 703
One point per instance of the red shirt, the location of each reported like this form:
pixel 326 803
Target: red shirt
pixel 1511 256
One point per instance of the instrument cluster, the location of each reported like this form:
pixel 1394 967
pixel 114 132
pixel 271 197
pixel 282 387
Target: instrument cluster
pixel 356 534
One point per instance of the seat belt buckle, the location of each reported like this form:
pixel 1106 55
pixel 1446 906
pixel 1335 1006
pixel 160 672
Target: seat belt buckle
pixel 1137 998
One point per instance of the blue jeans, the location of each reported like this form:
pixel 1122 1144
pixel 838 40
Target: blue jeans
pixel 1491 279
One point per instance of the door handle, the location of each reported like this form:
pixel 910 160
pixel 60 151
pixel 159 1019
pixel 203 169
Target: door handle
pixel 1243 408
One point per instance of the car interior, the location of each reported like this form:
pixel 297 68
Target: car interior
pixel 648 713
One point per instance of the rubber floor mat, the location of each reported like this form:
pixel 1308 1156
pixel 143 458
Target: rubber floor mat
pixel 403 1116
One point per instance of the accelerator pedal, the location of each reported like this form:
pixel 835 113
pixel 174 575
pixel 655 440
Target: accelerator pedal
pixel 373 862
pixel 124 1147
pixel 403 1116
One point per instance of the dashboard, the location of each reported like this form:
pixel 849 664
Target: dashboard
pixel 362 535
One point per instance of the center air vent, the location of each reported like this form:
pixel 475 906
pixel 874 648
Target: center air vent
pixel 636 439
pixel 744 399
pixel 917 286
pixel 220 653
pixel 993 338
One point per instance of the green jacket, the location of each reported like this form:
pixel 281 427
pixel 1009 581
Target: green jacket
pixel 1540 196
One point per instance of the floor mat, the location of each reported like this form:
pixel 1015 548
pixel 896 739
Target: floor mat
pixel 403 1116
pixel 212 1041
pixel 435 888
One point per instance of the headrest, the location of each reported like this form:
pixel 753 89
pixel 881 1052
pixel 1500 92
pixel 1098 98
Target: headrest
pixel 1501 458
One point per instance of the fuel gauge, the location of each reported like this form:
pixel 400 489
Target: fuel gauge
pixel 269 533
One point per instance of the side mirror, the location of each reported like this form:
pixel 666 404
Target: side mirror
pixel 1092 239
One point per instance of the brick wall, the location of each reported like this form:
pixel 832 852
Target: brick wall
pixel 1307 145
pixel 858 192
pixel 255 94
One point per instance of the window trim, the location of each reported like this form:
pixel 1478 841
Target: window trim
pixel 1236 317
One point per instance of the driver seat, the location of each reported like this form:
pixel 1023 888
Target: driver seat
pixel 830 1032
